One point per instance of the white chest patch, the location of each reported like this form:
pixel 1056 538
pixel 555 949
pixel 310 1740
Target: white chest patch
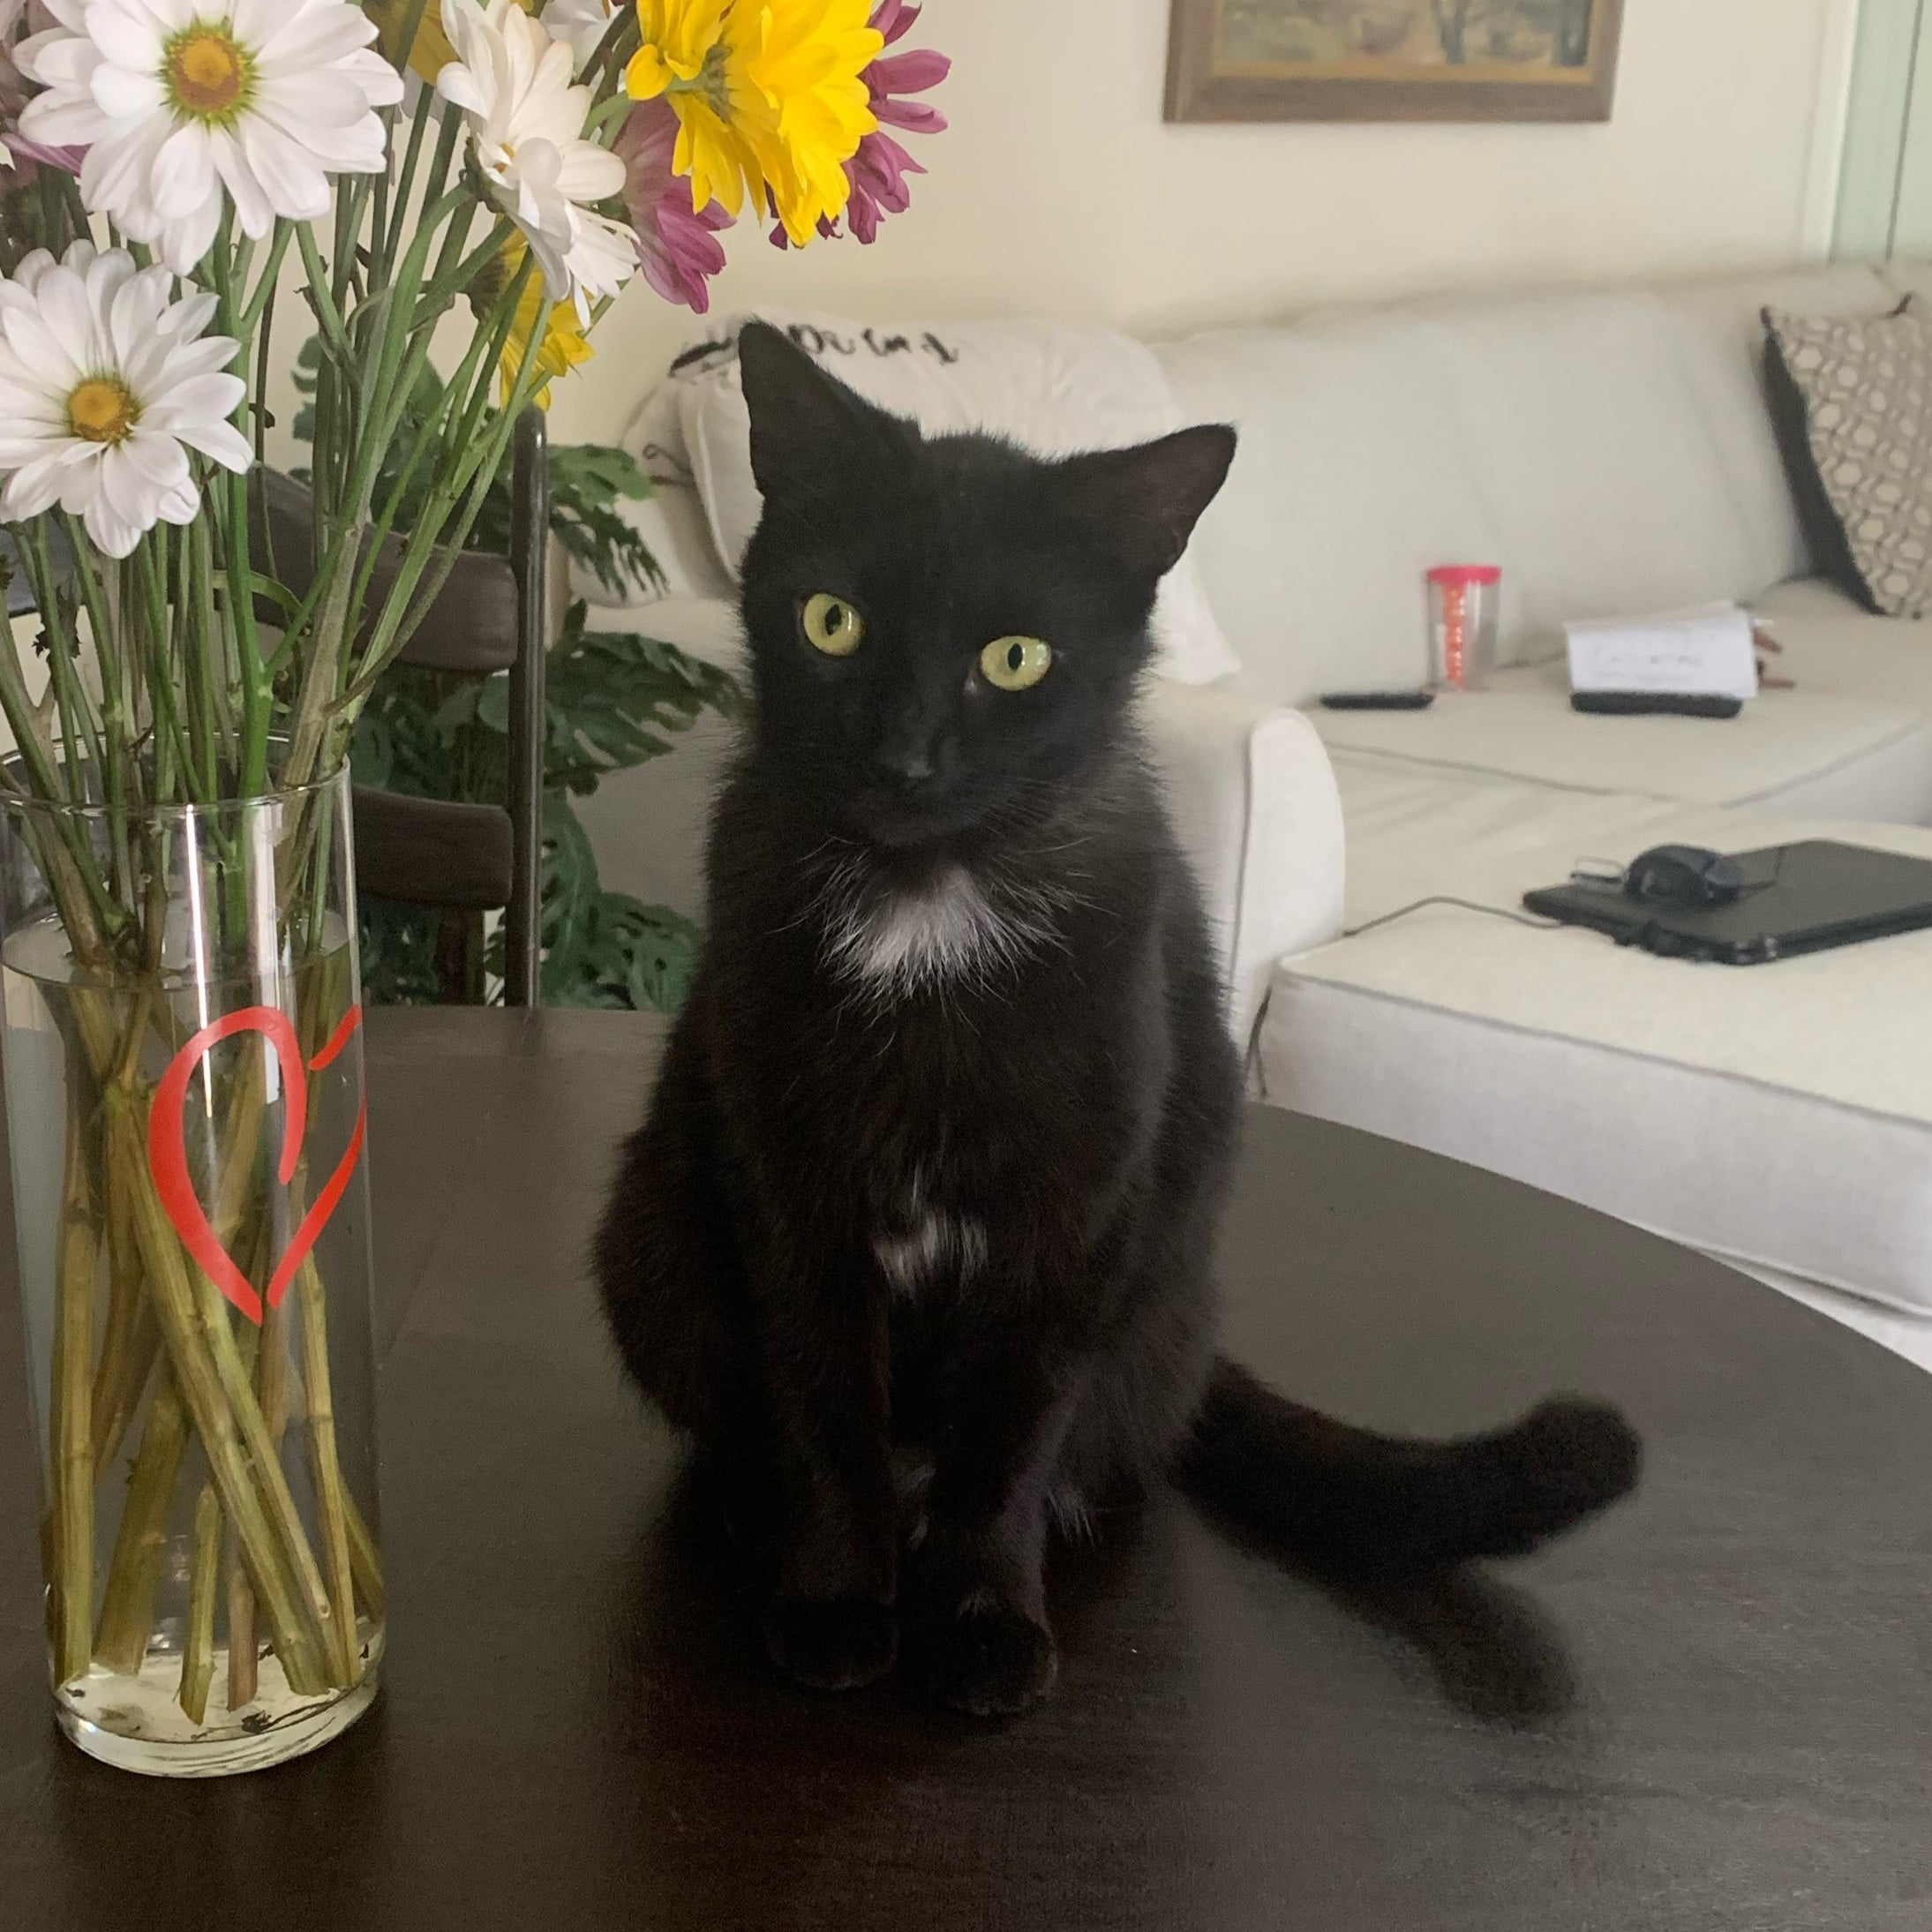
pixel 924 936
pixel 936 1244
pixel 919 1243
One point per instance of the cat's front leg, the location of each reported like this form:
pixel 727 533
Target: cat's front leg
pixel 832 1624
pixel 976 1598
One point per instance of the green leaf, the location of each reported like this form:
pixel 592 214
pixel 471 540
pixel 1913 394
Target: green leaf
pixel 586 474
pixel 664 956
pixel 398 947
pixel 277 594
pixel 606 546
pixel 614 696
pixel 492 703
pixel 372 754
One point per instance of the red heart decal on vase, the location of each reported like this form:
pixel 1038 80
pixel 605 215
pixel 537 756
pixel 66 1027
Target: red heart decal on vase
pixel 168 1151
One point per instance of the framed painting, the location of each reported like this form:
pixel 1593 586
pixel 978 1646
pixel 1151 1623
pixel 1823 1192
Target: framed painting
pixel 1393 60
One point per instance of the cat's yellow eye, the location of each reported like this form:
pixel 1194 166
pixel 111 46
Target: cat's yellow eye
pixel 831 625
pixel 1015 664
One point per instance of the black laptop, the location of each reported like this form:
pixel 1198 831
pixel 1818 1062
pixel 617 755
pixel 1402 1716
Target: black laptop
pixel 1803 897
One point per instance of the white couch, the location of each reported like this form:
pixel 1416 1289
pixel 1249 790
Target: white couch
pixel 1613 453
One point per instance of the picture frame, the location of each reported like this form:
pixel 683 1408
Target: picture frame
pixel 1393 60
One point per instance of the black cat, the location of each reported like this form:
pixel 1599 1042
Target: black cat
pixel 917 1239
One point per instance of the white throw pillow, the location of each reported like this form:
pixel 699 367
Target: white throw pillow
pixel 1054 389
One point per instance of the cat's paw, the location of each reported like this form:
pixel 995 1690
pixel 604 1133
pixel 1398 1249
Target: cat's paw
pixel 832 1646
pixel 992 1662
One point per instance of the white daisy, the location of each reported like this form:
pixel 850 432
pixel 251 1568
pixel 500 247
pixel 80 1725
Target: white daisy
pixel 177 100
pixel 513 81
pixel 581 24
pixel 103 379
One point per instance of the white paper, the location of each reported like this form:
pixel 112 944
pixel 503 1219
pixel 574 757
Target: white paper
pixel 1702 653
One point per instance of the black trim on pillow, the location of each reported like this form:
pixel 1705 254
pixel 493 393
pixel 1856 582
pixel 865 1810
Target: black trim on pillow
pixel 1818 518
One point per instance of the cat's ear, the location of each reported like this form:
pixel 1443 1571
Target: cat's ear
pixel 1144 502
pixel 801 418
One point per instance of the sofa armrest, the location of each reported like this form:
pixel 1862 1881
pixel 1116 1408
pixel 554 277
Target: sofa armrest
pixel 1254 801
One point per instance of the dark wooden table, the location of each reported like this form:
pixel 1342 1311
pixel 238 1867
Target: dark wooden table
pixel 1713 1711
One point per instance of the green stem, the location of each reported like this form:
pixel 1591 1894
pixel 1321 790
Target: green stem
pixel 328 316
pixel 205 738
pixel 129 1343
pixel 173 761
pixel 215 1386
pixel 326 1464
pixel 365 1561
pixel 140 1541
pixel 261 302
pixel 71 1447
pixel 116 767
pixel 80 733
pixel 244 1642
pixel 238 601
pixel 330 604
pixel 197 1646
pixel 451 509
pixel 420 116
pixel 265 343
pixel 453 273
pixel 272 1394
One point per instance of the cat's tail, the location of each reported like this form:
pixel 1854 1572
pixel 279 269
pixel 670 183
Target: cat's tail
pixel 1337 1495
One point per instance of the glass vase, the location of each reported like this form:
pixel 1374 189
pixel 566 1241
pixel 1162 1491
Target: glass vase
pixel 182 1058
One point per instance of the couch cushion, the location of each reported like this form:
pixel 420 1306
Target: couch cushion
pixel 1733 306
pixel 1612 452
pixel 1908 276
pixel 1414 829
pixel 1834 646
pixel 1055 389
pixel 1594 446
pixel 1350 482
pixel 1850 757
pixel 1780 1116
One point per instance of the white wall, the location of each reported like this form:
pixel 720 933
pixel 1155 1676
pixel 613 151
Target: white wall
pixel 1059 191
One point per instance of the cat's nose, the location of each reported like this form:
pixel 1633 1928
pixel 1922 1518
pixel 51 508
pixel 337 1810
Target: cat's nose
pixel 909 764
pixel 907 747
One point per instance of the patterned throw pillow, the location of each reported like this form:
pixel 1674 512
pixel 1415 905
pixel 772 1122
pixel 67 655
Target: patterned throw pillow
pixel 1853 394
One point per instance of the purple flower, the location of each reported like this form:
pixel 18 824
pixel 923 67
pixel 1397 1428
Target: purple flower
pixel 877 172
pixel 29 154
pixel 893 76
pixel 677 244
pixel 25 155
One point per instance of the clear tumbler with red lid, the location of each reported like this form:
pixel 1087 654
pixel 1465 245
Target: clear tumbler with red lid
pixel 1465 603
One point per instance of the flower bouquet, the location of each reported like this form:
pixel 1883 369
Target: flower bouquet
pixel 459 188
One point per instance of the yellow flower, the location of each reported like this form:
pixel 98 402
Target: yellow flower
pixel 683 54
pixel 767 97
pixel 806 56
pixel 678 38
pixel 430 52
pixel 563 346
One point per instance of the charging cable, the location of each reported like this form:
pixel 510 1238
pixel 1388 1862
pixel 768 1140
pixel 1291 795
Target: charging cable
pixel 1468 906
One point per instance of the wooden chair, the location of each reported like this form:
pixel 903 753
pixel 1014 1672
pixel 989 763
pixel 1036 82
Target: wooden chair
pixel 491 615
